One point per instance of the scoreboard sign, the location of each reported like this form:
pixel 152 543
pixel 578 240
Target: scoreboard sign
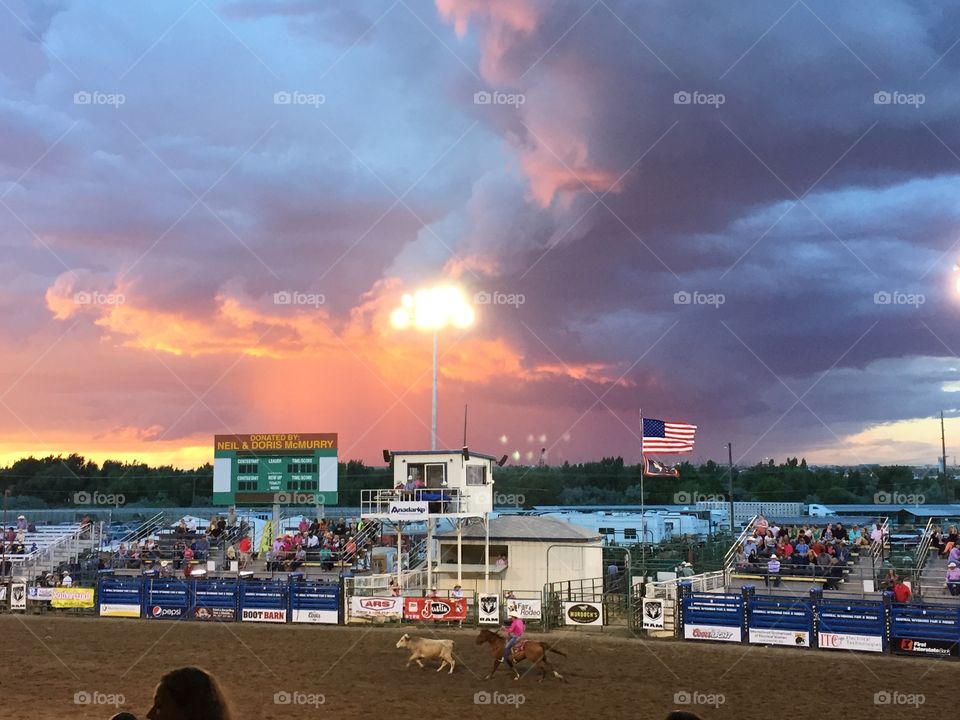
pixel 267 468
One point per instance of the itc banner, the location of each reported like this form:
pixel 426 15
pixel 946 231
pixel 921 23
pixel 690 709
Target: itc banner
pixel 431 609
pixel 62 597
pixel 18 596
pixel 527 609
pixel 488 609
pixel 376 607
pixel 652 614
pixel 772 636
pixel 583 613
pixel 712 632
pixel 409 509
pixel 847 641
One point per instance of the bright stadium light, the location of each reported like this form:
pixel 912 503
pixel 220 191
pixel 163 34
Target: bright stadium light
pixel 431 310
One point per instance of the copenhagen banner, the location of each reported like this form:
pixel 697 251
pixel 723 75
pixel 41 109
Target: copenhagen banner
pixel 526 608
pixel 376 607
pixel 653 613
pixel 18 596
pixel 63 597
pixel 433 609
pixel 488 609
pixel 582 613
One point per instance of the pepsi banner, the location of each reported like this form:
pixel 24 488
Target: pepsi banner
pixel 166 599
pixel 434 609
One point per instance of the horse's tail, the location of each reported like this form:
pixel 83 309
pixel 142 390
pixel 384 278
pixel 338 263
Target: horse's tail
pixel 549 648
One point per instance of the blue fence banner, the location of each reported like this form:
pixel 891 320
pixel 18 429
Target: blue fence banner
pixel 315 603
pixel 215 600
pixel 774 620
pixel 166 598
pixel 713 616
pixel 851 625
pixel 264 601
pixel 119 596
pixel 930 630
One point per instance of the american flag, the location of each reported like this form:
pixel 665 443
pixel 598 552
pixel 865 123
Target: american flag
pixel 661 436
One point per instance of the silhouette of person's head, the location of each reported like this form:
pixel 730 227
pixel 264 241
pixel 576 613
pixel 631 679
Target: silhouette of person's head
pixel 682 715
pixel 124 716
pixel 188 694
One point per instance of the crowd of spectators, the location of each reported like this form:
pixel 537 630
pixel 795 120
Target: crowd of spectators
pixel 14 538
pixel 325 541
pixel 775 550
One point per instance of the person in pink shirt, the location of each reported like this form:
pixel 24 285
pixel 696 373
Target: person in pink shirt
pixel 953 579
pixel 514 631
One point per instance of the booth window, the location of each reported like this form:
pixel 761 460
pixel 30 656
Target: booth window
pixel 476 474
pixel 434 475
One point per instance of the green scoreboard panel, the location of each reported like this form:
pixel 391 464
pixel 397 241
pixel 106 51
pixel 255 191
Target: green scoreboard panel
pixel 285 468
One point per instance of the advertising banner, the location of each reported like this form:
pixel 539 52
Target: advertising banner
pixel 264 615
pixel 18 596
pixel 3 592
pixel 927 647
pixel 409 509
pixel 527 609
pixel 376 607
pixel 431 609
pixel 652 614
pixel 712 632
pixel 846 641
pixel 582 613
pixel 221 614
pixel 62 597
pixel 488 609
pixel 324 617
pixel 119 610
pixel 772 636
pixel 39 593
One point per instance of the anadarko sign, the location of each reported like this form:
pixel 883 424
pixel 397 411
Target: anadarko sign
pixel 409 508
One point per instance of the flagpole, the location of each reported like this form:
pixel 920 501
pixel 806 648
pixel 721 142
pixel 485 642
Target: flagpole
pixel 643 521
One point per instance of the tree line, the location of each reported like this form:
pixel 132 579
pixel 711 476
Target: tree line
pixel 55 481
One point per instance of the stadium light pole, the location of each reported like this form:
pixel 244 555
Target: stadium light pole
pixel 733 534
pixel 431 310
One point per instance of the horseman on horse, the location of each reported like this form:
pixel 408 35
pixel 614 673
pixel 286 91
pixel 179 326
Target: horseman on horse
pixel 514 630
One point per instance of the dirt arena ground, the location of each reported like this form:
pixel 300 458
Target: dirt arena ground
pixel 49 660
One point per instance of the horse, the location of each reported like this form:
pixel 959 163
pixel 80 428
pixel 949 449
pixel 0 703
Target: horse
pixel 533 650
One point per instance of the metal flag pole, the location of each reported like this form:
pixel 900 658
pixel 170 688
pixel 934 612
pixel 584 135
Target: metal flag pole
pixel 643 520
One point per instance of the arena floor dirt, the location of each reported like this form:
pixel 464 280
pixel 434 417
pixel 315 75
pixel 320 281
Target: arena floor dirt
pixel 47 660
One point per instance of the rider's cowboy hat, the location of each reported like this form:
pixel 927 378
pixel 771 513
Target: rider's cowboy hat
pixel 514 614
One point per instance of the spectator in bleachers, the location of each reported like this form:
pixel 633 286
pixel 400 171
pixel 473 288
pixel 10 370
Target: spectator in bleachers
pixel 304 526
pixel 65 579
pixel 773 571
pixel 949 541
pixel 953 579
pixel 834 573
pixel 188 694
pixel 232 517
pixel 842 552
pixel 22 523
pixel 245 546
pixel 761 525
pixel 901 592
pixel 181 528
pixel 166 570
pixel 201 548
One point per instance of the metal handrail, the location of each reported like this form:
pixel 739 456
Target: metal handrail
pixel 728 557
pixel 924 548
pixel 146 528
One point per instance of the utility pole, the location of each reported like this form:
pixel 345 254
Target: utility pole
pixel 943 450
pixel 730 486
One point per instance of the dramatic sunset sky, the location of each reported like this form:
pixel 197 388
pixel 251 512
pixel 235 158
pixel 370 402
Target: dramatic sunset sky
pixel 791 169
